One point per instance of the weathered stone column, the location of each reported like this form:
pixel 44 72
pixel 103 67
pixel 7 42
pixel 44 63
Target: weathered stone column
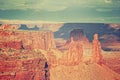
pixel 96 50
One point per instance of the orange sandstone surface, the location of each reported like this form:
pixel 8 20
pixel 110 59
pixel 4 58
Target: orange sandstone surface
pixel 79 61
pixel 20 55
pixel 26 39
pixel 24 66
pixel 32 55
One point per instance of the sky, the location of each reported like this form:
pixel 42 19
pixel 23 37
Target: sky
pixel 83 11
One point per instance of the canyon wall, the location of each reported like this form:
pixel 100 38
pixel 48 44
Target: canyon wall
pixel 20 39
pixel 24 66
pixel 20 55
pixel 77 35
pixel 78 49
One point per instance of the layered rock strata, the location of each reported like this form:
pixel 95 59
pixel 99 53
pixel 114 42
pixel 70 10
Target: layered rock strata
pixel 26 39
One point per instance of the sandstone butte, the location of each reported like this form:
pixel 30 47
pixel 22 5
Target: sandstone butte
pixel 33 55
pixel 80 60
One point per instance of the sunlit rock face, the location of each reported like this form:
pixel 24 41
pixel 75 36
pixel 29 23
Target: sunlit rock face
pixel 32 55
pixel 20 58
pixel 23 66
pixel 38 40
pixel 96 50
pixel 78 49
pixel 9 27
pixel 80 60
pixel 26 39
pixel 77 35
pixel 74 47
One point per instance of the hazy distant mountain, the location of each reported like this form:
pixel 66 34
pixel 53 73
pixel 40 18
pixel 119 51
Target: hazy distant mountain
pixel 25 27
pixel 89 28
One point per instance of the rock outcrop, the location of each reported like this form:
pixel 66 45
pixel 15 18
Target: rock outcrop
pixel 9 27
pixel 74 54
pixel 96 50
pixel 78 49
pixel 20 55
pixel 24 66
pixel 77 35
pixel 28 39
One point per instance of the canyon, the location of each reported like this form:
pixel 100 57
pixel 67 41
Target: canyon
pixel 20 58
pixel 33 55
pixel 26 39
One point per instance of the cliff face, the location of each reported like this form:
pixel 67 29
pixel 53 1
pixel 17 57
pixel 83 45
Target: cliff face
pixel 74 55
pixel 38 40
pixel 76 36
pixel 78 49
pixel 19 59
pixel 24 66
pixel 74 65
pixel 26 39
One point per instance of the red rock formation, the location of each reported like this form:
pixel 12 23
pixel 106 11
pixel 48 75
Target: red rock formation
pixel 30 39
pixel 22 67
pixel 75 45
pixel 77 35
pixel 78 50
pixel 48 40
pixel 9 27
pixel 52 59
pixel 11 44
pixel 96 50
pixel 39 40
pixel 18 64
pixel 75 53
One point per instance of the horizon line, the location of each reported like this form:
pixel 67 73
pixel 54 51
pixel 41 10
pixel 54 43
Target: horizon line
pixel 15 21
